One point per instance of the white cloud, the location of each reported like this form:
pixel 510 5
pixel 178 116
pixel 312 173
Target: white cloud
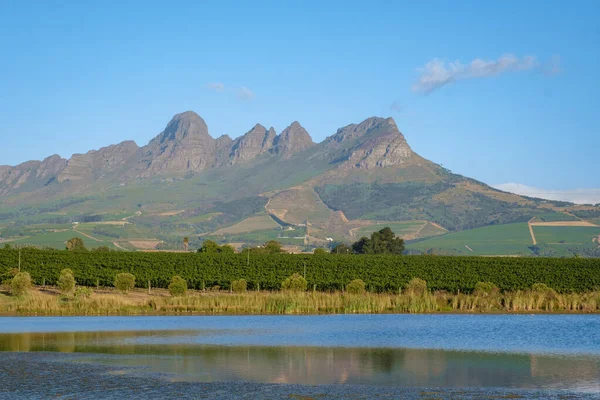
pixel 216 86
pixel 578 196
pixel 437 73
pixel 244 93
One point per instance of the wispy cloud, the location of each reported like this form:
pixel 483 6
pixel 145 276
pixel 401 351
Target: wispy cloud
pixel 243 93
pixel 578 196
pixel 216 86
pixel 396 107
pixel 437 73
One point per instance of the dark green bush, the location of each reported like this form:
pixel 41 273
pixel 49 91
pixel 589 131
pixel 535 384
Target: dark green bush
pixel 329 272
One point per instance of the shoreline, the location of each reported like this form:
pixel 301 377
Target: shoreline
pixel 47 301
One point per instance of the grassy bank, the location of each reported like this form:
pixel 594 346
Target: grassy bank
pixel 47 301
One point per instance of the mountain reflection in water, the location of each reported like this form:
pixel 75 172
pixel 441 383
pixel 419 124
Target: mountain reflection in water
pixel 313 365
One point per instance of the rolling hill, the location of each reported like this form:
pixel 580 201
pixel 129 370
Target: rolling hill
pixel 263 185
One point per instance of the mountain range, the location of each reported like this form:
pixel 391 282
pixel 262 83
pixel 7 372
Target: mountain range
pixel 258 186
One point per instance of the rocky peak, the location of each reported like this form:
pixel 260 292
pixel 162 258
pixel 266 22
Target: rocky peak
pixel 185 127
pixel 379 143
pixel 355 131
pixel 185 145
pixel 291 140
pixel 255 142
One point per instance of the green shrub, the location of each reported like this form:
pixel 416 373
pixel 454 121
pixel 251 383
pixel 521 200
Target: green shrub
pixel 357 286
pixel 543 291
pixel 178 286
pixel 124 282
pixel 295 283
pixel 416 287
pixel 485 289
pixel 83 293
pixel 20 284
pixel 320 251
pixel 239 286
pixel 66 281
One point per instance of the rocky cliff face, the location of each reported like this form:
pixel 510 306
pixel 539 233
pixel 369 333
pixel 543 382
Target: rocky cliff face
pixel 31 174
pixel 99 163
pixel 292 140
pixel 375 142
pixel 255 142
pixel 184 146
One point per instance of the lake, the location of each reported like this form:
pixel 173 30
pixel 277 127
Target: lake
pixel 332 356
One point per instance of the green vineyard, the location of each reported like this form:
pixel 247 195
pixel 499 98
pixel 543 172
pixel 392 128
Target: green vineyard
pixel 383 273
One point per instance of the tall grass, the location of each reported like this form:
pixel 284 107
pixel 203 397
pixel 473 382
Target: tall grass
pixel 38 303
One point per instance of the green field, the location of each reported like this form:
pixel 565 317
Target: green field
pixel 252 224
pixel 566 235
pixel 57 240
pixel 399 228
pixel 508 239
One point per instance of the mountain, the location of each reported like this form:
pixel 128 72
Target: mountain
pixel 261 185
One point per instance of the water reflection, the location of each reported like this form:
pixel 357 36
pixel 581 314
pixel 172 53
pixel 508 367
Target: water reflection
pixel 315 365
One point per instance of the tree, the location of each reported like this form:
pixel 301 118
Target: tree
pixel 20 284
pixel 186 243
pixel 239 286
pixel 66 281
pixel 363 246
pixel 102 249
pixel 381 242
pixel 178 286
pixel 319 252
pixel 75 244
pixel 295 283
pixel 273 247
pixel 226 249
pixel 341 249
pixel 357 286
pixel 124 282
pixel 209 246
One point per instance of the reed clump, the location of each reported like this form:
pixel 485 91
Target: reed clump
pixel 414 299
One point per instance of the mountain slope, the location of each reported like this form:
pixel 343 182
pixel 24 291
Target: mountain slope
pixel 186 183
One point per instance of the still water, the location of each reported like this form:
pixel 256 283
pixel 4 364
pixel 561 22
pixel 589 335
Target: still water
pixel 404 356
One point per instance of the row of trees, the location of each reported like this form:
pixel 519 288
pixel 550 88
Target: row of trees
pixel 380 242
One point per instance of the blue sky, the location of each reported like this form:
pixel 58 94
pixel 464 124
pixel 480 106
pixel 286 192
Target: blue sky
pixel 498 91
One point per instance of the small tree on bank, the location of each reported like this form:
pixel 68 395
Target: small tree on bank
pixel 124 282
pixel 178 286
pixel 295 283
pixel 239 286
pixel 357 286
pixel 20 284
pixel 66 281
